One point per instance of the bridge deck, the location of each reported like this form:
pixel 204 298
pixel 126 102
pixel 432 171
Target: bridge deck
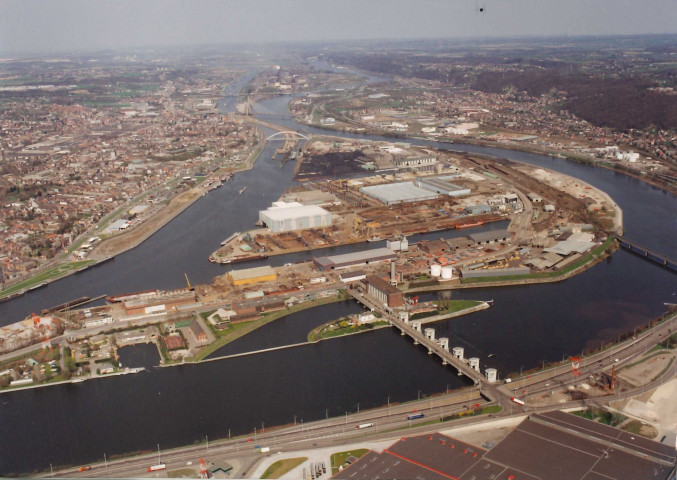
pixel 647 253
pixel 431 345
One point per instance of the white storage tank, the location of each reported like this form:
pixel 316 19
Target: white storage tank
pixel 447 272
pixel 435 270
pixel 458 352
pixel 491 374
pixel 474 363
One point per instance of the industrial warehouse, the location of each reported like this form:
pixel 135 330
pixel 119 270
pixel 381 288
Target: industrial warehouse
pixel 346 260
pixel 556 446
pixel 288 216
pixel 248 276
pixel 394 193
pixel 442 186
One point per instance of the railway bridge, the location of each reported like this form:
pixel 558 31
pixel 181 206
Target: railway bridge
pixel 647 253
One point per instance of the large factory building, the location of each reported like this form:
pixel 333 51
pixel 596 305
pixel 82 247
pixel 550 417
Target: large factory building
pixel 384 292
pixel 288 216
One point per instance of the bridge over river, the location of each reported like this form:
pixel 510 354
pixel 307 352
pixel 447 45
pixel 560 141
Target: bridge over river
pixel 647 253
pixel 439 347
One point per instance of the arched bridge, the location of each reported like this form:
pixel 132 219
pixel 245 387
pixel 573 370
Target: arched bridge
pixel 290 132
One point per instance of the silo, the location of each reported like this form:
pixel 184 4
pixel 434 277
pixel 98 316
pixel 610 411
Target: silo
pixel 447 272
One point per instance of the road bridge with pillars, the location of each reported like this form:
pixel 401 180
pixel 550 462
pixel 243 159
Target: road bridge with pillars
pixel 439 347
pixel 647 253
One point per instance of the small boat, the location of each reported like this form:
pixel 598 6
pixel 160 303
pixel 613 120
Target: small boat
pixel 242 190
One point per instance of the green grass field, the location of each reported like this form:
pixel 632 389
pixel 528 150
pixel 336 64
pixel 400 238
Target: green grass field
pixel 279 468
pixel 339 459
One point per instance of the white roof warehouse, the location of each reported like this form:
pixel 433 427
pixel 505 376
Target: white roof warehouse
pixel 285 217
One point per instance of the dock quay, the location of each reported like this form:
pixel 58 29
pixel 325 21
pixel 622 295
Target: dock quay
pixel 647 253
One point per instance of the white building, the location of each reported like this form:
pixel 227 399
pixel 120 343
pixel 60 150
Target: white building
pixel 285 217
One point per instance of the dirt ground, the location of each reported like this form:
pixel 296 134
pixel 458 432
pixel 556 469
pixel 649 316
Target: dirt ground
pixel 596 200
pixel 644 372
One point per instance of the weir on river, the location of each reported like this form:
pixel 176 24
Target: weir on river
pixel 77 424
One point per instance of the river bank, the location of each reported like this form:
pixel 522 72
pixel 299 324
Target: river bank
pixel 116 245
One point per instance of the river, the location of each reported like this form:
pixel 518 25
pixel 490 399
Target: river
pixel 77 424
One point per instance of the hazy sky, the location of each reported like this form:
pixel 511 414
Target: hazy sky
pixel 65 25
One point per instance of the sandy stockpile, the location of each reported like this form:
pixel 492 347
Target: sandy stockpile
pixel 573 186
pixel 595 198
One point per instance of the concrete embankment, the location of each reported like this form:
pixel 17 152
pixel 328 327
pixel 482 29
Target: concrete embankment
pixel 126 371
pixel 447 316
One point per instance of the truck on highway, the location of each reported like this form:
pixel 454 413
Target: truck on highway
pixel 364 425
pixel 155 468
pixel 415 415
pixel 518 401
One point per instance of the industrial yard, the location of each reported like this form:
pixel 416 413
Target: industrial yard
pixel 557 225
pixel 420 191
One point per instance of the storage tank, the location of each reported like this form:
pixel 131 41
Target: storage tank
pixel 435 270
pixel 491 374
pixel 447 272
pixel 458 352
pixel 474 363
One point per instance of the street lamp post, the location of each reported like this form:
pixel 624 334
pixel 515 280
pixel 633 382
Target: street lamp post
pixel 388 405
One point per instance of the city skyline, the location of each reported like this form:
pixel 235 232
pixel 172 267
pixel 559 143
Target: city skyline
pixel 62 26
